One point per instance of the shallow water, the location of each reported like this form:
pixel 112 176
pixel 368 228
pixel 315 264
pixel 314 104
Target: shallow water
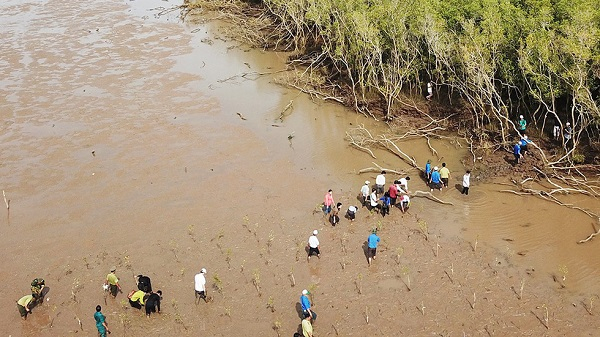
pixel 120 128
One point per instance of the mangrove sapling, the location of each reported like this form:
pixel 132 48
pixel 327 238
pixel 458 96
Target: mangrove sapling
pixel 422 308
pixel 125 322
pixel 546 316
pixel 6 202
pixel 367 314
pixel 292 278
pixel 271 304
pixel 399 252
pixel 406 272
pixel 228 254
pixel 173 247
pixel 277 327
pixel 311 290
pixel 521 289
pixel 343 241
pixel 256 280
pixel 358 283
pixel 217 283
pixel 474 300
pixel 228 312
pixel 563 270
pixel 424 229
pixel 437 246
pixel 475 245
pixel 191 232
pixel 270 241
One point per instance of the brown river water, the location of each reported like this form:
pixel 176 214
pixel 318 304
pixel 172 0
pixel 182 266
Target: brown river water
pixel 121 145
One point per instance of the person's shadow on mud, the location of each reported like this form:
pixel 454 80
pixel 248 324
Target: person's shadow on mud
pixel 510 160
pixel 299 312
pixel 365 248
pixel 458 187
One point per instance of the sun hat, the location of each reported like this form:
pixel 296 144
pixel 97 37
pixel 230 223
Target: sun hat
pixel 203 270
pixel 568 123
pixel 113 269
pixel 521 116
pixel 525 137
pixel 305 292
pixel 436 168
pixel 315 232
pixel 367 182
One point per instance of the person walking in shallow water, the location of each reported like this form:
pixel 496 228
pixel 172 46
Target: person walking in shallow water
pixel 517 152
pixel 466 183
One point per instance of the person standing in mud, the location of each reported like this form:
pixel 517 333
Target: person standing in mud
pixel 429 91
pixel 556 128
pixel 112 281
pixel 307 329
pixel 435 181
pixel 445 175
pixel 466 183
pixel 385 204
pixel 334 217
pixel 568 134
pixel 522 125
pixel 313 245
pixel 373 200
pixel 428 170
pixel 23 304
pixel 380 182
pixel 364 191
pixel 523 144
pixel 37 288
pixel 404 183
pixel 517 152
pixel 200 286
pixel 101 324
pixel 328 203
pixel 372 242
pixel 153 303
pixel 393 193
pixel 306 307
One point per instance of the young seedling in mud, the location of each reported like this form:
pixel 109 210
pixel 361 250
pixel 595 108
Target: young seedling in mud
pixel 228 312
pixel 359 283
pixel 299 248
pixel 475 245
pixel 406 272
pixel 182 272
pixel 256 281
pixel 292 278
pixel 242 266
pixel 126 322
pixel 424 229
pixel 191 232
pixel 422 308
pixel 277 327
pixel 217 283
pixel 437 247
pixel 255 232
pixel 546 316
pixel 86 263
pixel 343 263
pixel 367 314
pixel 379 225
pixel 343 241
pixel 228 254
pixel 563 270
pixel 173 247
pixel 399 252
pixel 6 202
pixel 246 224
pixel 474 300
pixel 270 241
pixel 271 303
pixel 521 289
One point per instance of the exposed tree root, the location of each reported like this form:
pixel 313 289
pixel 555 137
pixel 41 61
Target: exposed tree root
pixel 430 196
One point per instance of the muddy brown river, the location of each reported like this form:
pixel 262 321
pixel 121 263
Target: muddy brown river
pixel 123 144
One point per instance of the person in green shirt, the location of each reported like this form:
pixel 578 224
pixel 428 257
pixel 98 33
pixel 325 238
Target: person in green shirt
pixel 307 329
pixel 522 125
pixel 112 281
pixel 23 305
pixel 101 324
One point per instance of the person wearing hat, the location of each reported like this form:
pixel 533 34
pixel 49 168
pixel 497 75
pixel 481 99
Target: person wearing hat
pixel 522 125
pixel 517 152
pixel 351 213
pixel 372 242
pixel 306 308
pixel 112 281
pixel 523 144
pixel 313 245
pixel 568 133
pixel 364 191
pixel 200 286
pixel 436 180
pixel 37 289
pixel 307 329
pixel 428 170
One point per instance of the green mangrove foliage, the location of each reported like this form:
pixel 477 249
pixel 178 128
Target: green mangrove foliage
pixel 502 58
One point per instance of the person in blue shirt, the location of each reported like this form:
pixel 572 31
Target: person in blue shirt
pixel 385 204
pixel 523 144
pixel 305 303
pixel 372 243
pixel 428 170
pixel 517 152
pixel 436 180
pixel 101 322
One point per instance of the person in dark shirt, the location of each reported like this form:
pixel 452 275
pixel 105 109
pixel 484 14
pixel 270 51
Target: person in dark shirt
pixel 153 303
pixel 143 283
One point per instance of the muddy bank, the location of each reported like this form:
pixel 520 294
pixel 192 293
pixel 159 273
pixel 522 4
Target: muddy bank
pixel 122 146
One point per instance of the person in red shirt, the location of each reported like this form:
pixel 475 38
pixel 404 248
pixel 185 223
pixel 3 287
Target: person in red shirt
pixel 393 192
pixel 328 203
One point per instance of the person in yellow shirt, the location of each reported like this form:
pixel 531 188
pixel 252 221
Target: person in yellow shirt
pixel 112 281
pixel 445 175
pixel 23 305
pixel 136 299
pixel 307 330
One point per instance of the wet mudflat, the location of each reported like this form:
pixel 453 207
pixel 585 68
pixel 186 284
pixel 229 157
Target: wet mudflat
pixel 122 145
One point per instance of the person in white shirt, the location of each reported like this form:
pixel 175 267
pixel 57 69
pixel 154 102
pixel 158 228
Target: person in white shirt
pixel 200 286
pixel 351 213
pixel 313 245
pixel 380 182
pixel 374 199
pixel 404 202
pixel 404 183
pixel 364 191
pixel 466 183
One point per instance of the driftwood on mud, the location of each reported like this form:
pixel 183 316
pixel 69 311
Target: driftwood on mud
pixel 430 196
pixel 289 106
pixel 378 169
pixel 589 237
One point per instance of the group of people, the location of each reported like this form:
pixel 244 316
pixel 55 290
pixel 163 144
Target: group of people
pixel 378 199
pixel 143 296
pixel 520 149
pixel 27 302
